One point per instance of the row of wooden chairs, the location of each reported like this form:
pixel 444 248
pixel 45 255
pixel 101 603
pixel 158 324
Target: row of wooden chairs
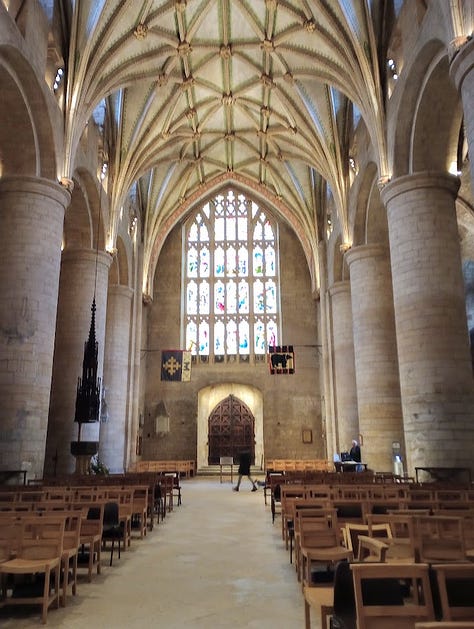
pixel 408 542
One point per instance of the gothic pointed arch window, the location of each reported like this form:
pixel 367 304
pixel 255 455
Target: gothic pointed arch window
pixel 231 279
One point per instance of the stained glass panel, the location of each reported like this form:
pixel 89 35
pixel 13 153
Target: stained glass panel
pixel 231 257
pixel 257 261
pixel 258 297
pixel 191 336
pixel 231 237
pixel 242 229
pixel 243 262
pixel 204 298
pixel 231 337
pixel 270 294
pixel 192 262
pixel 231 305
pixel 243 297
pixel 204 262
pixel 219 336
pixel 219 291
pixel 219 264
pixel 244 335
pixel 270 268
pixel 204 338
pixel 191 298
pixel 203 234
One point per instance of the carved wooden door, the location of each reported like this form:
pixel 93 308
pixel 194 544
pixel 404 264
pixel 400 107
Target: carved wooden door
pixel 231 431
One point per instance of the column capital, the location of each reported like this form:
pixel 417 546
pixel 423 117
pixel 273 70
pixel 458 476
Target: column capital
pixel 337 288
pixel 365 251
pixel 462 62
pixel 120 290
pixel 421 180
pixel 87 255
pixel 18 184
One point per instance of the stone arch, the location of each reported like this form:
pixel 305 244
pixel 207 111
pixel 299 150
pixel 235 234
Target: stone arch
pixel 119 269
pixel 337 268
pixel 275 205
pixel 210 396
pixel 81 222
pixel 370 217
pixel 425 125
pixel 438 119
pixel 23 108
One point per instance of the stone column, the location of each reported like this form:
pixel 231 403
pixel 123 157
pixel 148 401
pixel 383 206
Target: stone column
pixel 433 347
pixel 345 406
pixel 462 72
pixel 32 216
pixel 116 378
pixel 77 281
pixel 375 350
pixel 328 415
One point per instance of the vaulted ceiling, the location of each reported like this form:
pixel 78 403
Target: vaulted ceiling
pixel 252 90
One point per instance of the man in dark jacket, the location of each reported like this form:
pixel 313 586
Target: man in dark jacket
pixel 244 470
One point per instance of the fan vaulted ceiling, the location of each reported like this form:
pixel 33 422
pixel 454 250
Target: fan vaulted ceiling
pixel 202 90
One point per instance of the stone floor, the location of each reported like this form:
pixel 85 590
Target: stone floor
pixel 216 562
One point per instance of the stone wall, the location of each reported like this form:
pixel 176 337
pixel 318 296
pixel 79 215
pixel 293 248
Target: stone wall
pixel 283 405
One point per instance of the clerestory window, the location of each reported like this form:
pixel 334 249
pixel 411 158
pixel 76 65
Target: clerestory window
pixel 231 278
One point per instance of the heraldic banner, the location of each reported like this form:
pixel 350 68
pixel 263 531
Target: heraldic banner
pixel 176 365
pixel 281 359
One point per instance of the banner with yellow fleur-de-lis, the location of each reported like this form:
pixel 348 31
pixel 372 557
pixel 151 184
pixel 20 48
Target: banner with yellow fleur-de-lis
pixel 176 365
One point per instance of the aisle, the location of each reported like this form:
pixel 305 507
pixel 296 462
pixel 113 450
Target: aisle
pixel 215 563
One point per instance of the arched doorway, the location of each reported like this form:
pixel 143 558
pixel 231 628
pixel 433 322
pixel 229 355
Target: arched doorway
pixel 231 430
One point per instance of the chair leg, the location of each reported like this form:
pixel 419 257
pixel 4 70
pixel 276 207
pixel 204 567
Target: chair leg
pixel 112 552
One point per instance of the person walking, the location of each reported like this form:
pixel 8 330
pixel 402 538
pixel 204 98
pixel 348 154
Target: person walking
pixel 244 470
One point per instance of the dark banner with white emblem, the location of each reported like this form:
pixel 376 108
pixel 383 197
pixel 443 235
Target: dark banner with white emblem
pixel 176 365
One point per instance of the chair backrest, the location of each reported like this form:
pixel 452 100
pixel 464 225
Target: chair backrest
pixel 41 537
pixel 392 596
pixel 353 530
pixel 456 590
pixel 439 538
pixel 111 514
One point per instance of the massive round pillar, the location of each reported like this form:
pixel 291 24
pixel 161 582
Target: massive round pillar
pixel 32 216
pixel 345 404
pixel 462 71
pixel 375 351
pixel 436 378
pixel 84 273
pixel 116 379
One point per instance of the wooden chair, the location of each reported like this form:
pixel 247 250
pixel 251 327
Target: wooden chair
pixel 70 554
pixel 353 531
pixel 289 493
pixel 402 544
pixel 371 549
pixel 439 538
pixel 39 553
pixel 320 545
pixel 392 596
pixel 91 538
pixel 456 590
pixel 272 479
pixel 308 513
pixel 140 509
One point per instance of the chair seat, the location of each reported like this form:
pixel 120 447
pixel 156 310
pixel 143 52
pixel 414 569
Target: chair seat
pixel 19 565
pixel 332 553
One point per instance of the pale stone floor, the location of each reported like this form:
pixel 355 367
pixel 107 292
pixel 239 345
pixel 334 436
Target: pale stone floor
pixel 216 562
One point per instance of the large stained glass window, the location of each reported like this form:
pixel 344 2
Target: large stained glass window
pixel 231 278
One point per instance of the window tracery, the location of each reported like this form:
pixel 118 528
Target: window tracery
pixel 231 278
